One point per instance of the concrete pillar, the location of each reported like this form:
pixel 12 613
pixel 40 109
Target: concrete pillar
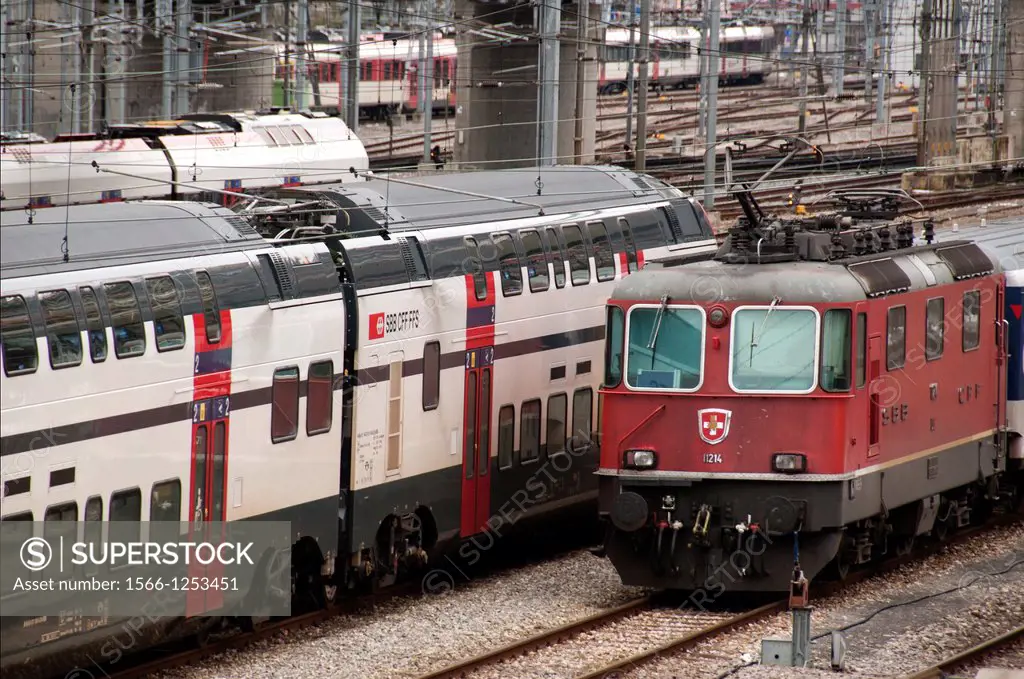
pixel 496 114
pixel 1013 113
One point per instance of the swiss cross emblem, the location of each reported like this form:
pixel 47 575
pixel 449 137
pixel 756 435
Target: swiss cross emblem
pixel 713 424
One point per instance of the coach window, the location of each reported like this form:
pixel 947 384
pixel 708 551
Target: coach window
pixel 92 532
pixel 579 260
pixel 506 435
pixel 836 336
pixel 614 331
pixel 284 417
pixel 972 320
pixel 126 319
pixel 557 257
pixel 554 437
pixel 896 338
pixel 582 419
pixel 529 431
pixel 627 234
pixel 536 264
pixel 63 335
pixel 935 328
pixel 165 501
pixel 168 325
pixel 604 258
pixel 509 268
pixel 431 375
pixel 665 347
pixel 862 344
pixel 473 265
pixel 17 337
pixel 94 325
pixel 125 506
pixel 320 398
pixel 211 311
pixel 774 349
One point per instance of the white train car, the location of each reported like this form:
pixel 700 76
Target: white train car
pixel 173 368
pixel 198 157
pixel 745 56
pixel 388 74
pixel 477 339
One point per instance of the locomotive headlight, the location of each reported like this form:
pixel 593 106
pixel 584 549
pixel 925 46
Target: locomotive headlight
pixel 718 317
pixel 789 463
pixel 639 459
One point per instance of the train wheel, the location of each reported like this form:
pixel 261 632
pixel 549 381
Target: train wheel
pixel 904 545
pixel 839 567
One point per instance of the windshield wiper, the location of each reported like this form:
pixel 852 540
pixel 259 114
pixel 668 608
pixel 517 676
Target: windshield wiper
pixel 657 327
pixel 754 338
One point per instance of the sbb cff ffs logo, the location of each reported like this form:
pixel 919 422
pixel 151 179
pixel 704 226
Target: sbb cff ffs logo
pixel 382 324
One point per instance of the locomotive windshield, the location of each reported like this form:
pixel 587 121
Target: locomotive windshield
pixel 774 349
pixel 670 358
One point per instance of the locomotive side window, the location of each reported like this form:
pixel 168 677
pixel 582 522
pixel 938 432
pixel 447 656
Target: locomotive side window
pixel 506 435
pixel 835 350
pixel 431 375
pixel 972 320
pixel 896 338
pixel 508 265
pixel 604 258
pixel 284 417
pixel 666 347
pixel 536 264
pixel 211 311
pixel 126 319
pixel 165 501
pixel 529 431
pixel 579 260
pixel 935 328
pixel 774 350
pixel 19 342
pixel 582 418
pixel 630 245
pixel 557 256
pixel 94 325
pixel 558 407
pixel 168 325
pixel 63 336
pixel 613 347
pixel 862 344
pixel 474 266
pixel 320 398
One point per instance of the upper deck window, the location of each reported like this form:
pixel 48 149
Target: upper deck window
pixel 666 347
pixel 774 349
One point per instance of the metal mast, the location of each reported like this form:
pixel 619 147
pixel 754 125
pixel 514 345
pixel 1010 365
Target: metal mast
pixel 352 67
pixel 301 35
pixel 711 139
pixel 641 117
pixel 427 93
pixel 631 65
pixel 550 21
pixel 582 33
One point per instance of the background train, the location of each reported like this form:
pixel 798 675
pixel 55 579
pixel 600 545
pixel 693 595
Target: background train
pixel 821 390
pixel 392 365
pixel 389 81
pixel 198 157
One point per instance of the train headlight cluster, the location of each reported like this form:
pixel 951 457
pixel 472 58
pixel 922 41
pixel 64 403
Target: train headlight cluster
pixel 789 463
pixel 639 459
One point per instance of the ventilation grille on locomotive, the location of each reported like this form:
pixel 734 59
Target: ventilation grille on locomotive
pixel 880 277
pixel 965 261
pixel 284 278
pixel 242 225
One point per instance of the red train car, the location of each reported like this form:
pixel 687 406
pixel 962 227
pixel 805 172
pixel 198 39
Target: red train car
pixel 821 388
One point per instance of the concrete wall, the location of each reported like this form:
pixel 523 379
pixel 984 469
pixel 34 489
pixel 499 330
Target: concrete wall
pixel 496 118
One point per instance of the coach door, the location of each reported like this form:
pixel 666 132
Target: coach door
pixel 476 442
pixel 876 393
pixel 208 481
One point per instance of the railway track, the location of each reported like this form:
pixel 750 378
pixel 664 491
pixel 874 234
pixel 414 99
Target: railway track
pixel 946 667
pixel 642 630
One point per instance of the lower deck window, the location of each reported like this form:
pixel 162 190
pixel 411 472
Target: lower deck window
pixel 665 348
pixel 773 349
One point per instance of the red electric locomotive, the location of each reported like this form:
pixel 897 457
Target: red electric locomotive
pixel 822 388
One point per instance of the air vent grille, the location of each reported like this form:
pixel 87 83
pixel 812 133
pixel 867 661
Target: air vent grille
pixel 284 278
pixel 374 213
pixel 673 223
pixel 642 183
pixel 242 225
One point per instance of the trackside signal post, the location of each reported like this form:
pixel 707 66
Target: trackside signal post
pixel 794 653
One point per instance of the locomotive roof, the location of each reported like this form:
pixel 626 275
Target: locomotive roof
pixel 427 204
pixel 951 257
pixel 113 234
